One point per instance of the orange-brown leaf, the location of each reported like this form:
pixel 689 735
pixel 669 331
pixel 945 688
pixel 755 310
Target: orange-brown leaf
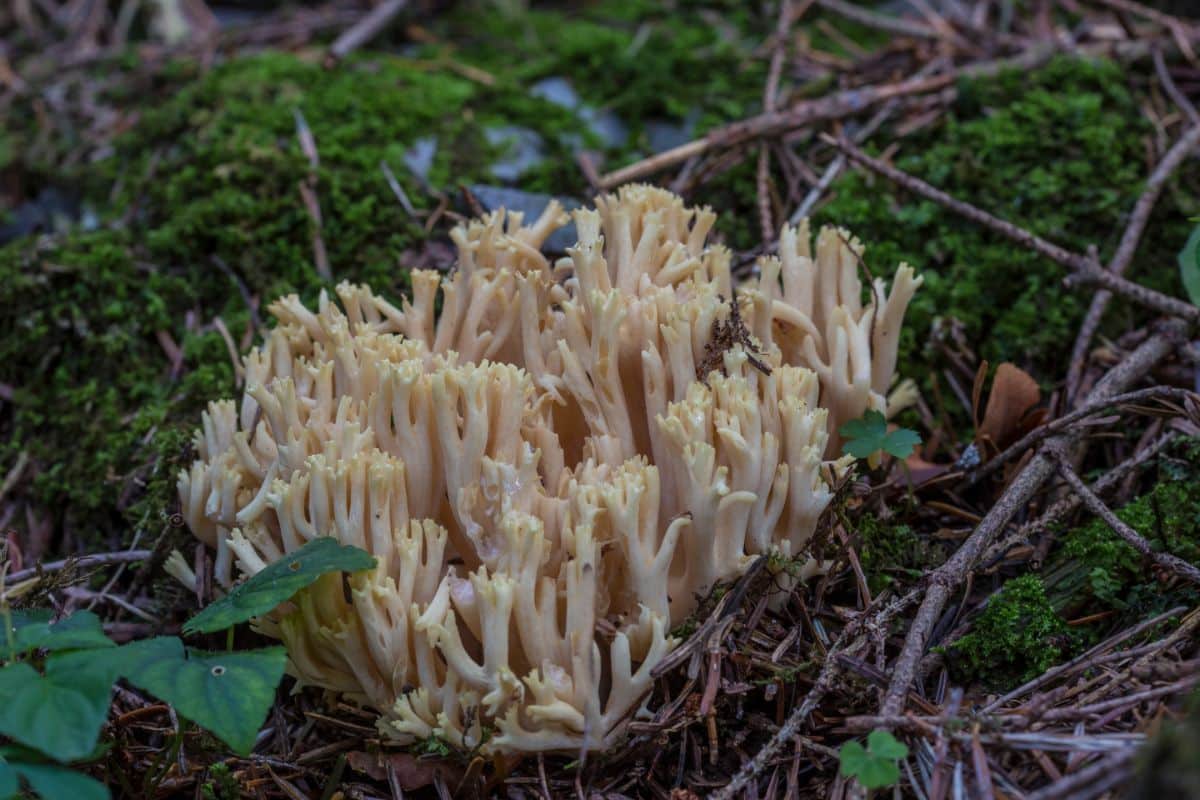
pixel 1010 407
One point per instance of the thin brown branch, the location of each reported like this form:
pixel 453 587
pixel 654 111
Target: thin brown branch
pixel 1068 504
pixel 1052 427
pixel 833 106
pixel 1177 97
pixel 1166 561
pixel 1099 776
pixel 1127 248
pixel 82 562
pixel 835 167
pixel 1085 270
pixel 943 581
pixel 880 22
pixel 365 29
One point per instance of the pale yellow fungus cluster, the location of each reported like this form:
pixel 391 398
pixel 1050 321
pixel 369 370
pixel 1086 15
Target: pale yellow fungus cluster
pixel 546 482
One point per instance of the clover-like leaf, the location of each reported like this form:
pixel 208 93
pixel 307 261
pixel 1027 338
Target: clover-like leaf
pixel 278 582
pixel 874 765
pixel 881 743
pixel 1189 266
pixel 50 781
pixel 866 436
pixel 59 713
pixel 36 628
pixel 228 694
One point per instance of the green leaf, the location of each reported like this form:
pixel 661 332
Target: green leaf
pixel 9 784
pixel 884 745
pixel 866 436
pixel 51 782
pixel 229 694
pixel 35 629
pixel 1189 266
pixel 278 582
pixel 875 765
pixel 59 713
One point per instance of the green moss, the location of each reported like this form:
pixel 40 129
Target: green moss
pixel 637 58
pixel 1018 636
pixel 206 209
pixel 221 783
pixel 1060 151
pixel 93 384
pixel 889 551
pixel 217 168
pixel 1094 570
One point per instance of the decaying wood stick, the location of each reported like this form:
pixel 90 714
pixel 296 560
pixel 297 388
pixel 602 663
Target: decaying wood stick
pixel 1067 504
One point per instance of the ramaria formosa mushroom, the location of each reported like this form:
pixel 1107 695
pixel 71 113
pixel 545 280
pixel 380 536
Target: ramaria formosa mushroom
pixel 551 472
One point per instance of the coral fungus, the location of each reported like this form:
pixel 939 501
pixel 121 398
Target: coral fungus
pixel 551 471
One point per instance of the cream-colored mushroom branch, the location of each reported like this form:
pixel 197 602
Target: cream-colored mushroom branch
pixel 552 471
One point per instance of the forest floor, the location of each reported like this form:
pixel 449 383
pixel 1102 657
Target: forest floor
pixel 1017 602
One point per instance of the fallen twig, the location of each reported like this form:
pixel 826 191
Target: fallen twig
pixel 832 106
pixel 1068 504
pixel 943 581
pixel 1126 249
pixel 365 29
pixel 1085 269
pixel 82 562
pixel 1166 561
pixel 881 22
pixel 1095 407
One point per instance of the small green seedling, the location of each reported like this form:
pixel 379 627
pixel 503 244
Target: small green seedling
pixel 57 676
pixel 867 436
pixel 278 582
pixel 875 766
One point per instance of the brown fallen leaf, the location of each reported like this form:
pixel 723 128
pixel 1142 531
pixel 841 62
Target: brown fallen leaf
pixel 919 470
pixel 1012 407
pixel 411 772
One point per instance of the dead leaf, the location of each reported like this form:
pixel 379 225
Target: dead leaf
pixel 411 772
pixel 1011 408
pixel 919 470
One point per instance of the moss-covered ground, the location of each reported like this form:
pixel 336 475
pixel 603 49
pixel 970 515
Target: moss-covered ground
pixel 201 220
pixel 117 333
pixel 1093 585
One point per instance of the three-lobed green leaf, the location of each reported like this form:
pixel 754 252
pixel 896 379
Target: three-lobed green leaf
pixel 866 436
pixel 875 765
pixel 36 629
pixel 228 694
pixel 278 582
pixel 50 781
pixel 59 713
pixel 1189 266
